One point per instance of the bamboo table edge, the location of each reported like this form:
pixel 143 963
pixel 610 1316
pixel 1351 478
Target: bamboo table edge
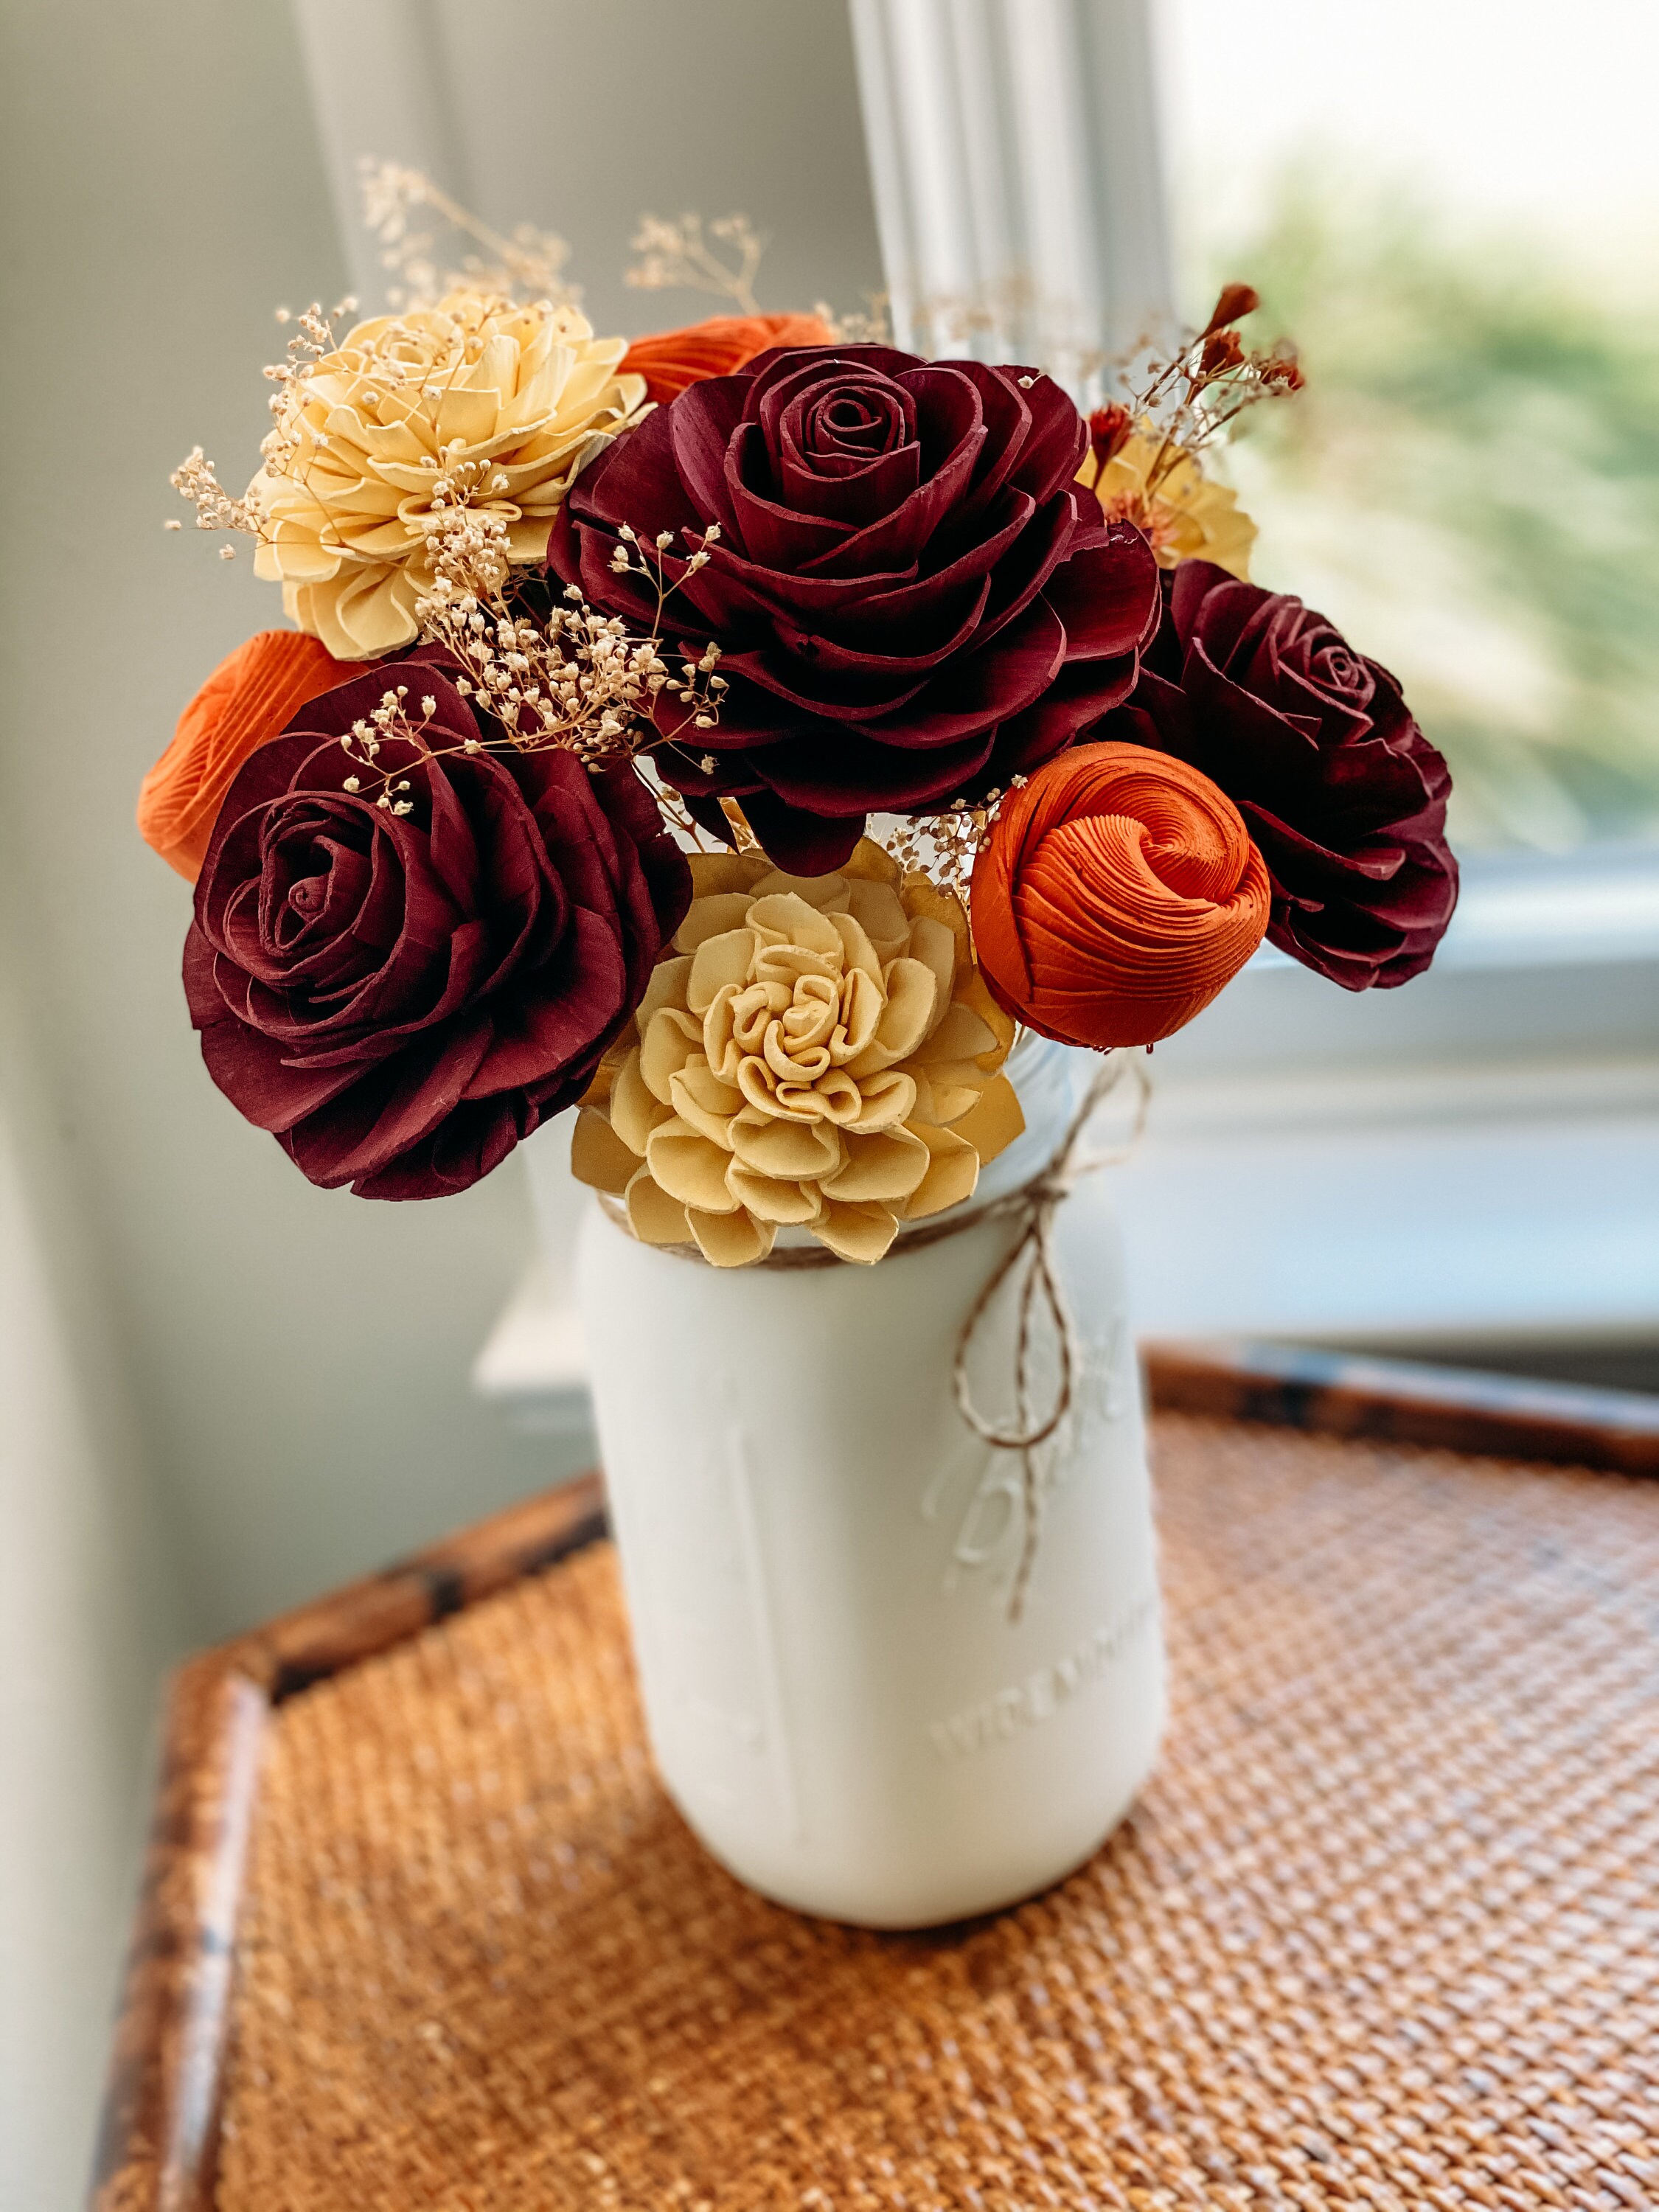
pixel 157 2149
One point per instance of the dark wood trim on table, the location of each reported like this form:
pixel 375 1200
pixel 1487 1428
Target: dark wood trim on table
pixel 157 2148
pixel 1406 1402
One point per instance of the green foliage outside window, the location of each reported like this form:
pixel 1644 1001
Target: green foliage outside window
pixel 1469 487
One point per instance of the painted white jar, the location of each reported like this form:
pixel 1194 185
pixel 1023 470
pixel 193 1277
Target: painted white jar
pixel 819 1556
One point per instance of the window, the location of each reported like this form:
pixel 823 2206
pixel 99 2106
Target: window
pixel 1454 210
pixel 1452 205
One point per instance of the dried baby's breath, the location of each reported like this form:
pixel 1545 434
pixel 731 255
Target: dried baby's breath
pixel 1192 398
pixel 527 264
pixel 945 846
pixel 676 255
pixel 573 678
pixel 196 478
pixel 871 326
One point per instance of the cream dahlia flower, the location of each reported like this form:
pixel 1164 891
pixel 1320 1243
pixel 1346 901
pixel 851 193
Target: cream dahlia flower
pixel 1188 517
pixel 501 404
pixel 817 1052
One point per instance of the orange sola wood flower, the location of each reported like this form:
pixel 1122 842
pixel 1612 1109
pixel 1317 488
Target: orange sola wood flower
pixel 1118 893
pixel 248 699
pixel 670 360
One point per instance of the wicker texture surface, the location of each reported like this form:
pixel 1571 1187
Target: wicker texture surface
pixel 1384 1932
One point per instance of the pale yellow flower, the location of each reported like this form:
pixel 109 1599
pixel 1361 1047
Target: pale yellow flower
pixel 502 403
pixel 1187 518
pixel 817 1051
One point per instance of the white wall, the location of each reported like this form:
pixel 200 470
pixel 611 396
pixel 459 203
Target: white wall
pixel 90 1611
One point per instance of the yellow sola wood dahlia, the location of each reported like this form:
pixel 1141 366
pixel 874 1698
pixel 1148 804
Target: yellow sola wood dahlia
pixel 1187 517
pixel 475 402
pixel 817 1052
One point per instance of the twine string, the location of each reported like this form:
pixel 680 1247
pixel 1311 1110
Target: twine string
pixel 1035 1205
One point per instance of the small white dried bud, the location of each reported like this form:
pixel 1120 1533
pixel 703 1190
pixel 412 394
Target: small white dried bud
pixel 353 783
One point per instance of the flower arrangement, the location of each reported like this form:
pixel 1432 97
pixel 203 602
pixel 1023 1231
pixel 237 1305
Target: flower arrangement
pixel 738 735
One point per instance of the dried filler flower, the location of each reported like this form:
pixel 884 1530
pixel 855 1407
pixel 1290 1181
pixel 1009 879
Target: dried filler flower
pixel 818 1052
pixel 527 265
pixel 676 256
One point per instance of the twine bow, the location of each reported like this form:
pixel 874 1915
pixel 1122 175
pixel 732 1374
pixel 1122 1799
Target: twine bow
pixel 1035 1205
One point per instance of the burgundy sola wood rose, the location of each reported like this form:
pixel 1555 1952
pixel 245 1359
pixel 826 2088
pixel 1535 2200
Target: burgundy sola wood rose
pixel 1344 795
pixel 401 997
pixel 912 601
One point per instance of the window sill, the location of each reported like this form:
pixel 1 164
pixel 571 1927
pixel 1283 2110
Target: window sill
pixel 1478 1155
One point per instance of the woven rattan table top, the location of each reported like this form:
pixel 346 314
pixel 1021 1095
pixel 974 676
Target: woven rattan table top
pixel 1384 1932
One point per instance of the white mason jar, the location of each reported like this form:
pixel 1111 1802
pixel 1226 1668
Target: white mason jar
pixel 819 1555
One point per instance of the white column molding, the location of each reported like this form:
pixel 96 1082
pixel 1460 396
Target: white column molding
pixel 1014 158
pixel 378 87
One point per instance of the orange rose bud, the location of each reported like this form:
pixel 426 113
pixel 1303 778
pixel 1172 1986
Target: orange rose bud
pixel 1119 890
pixel 249 698
pixel 670 360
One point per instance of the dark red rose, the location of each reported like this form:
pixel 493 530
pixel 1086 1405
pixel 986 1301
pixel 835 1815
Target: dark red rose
pixel 912 602
pixel 1344 795
pixel 401 997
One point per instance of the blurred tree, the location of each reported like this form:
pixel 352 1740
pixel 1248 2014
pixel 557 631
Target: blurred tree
pixel 1469 487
